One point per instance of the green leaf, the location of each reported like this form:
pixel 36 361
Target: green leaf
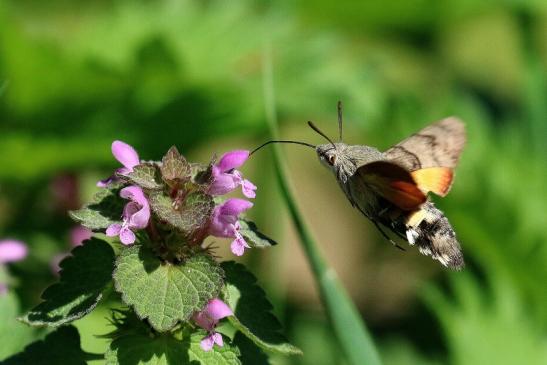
pixel 163 292
pixel 145 175
pixel 143 349
pixel 174 166
pixel 163 349
pixel 105 209
pixel 84 277
pixel 196 211
pixel 251 234
pixel 59 347
pixel 225 355
pixel 250 353
pixel 14 335
pixel 252 311
pixel 191 216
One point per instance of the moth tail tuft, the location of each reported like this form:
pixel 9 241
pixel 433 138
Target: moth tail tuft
pixel 434 236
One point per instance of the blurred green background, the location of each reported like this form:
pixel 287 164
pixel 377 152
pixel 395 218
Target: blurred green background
pixel 75 75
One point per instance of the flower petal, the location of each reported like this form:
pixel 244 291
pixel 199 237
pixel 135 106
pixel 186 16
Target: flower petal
pixel 140 219
pixel 127 236
pixel 248 189
pixel 238 246
pixel 223 184
pixel 217 338
pixel 12 250
pixel 104 183
pixel 78 235
pixel 234 207
pixel 232 160
pixel 217 309
pixel 203 320
pixel 3 289
pixel 207 343
pixel 125 154
pixel 135 194
pixel 113 230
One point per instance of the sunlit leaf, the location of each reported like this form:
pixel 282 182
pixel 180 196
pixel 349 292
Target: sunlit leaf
pixel 163 292
pixel 84 276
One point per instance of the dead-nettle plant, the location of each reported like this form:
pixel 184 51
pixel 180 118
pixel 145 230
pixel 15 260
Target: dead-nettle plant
pixel 178 303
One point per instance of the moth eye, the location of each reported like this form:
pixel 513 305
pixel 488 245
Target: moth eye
pixel 332 159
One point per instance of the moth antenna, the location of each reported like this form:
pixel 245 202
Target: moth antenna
pixel 282 141
pixel 340 119
pixel 310 123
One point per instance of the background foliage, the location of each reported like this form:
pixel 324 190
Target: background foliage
pixel 76 75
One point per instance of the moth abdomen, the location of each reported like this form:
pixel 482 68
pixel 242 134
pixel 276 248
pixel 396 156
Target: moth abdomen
pixel 434 236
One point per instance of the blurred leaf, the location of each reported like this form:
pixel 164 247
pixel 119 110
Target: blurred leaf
pixel 105 209
pixel 59 347
pixel 480 325
pixel 254 237
pixel 84 276
pixel 145 175
pixel 13 334
pixel 163 292
pixel 252 311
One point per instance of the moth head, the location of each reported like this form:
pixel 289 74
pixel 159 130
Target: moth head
pixel 328 154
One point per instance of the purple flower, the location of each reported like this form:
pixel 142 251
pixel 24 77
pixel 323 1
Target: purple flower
pixel 224 223
pixel 127 156
pixel 208 319
pixel 135 215
pixel 226 178
pixel 11 251
pixel 78 235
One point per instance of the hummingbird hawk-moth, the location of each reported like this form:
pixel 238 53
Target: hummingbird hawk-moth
pixel 391 188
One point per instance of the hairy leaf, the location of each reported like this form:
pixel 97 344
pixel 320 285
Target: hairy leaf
pixel 174 166
pixel 192 214
pixel 105 209
pixel 59 347
pixel 226 355
pixel 163 292
pixel 84 276
pixel 144 349
pixel 252 311
pixel 254 237
pixel 196 211
pixel 145 175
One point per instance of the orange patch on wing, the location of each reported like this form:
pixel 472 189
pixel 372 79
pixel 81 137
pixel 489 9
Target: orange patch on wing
pixel 405 195
pixel 435 179
pixel 394 183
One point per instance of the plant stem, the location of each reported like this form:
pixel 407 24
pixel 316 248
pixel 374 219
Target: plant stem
pixel 344 317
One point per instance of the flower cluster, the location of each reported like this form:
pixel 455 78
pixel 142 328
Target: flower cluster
pixel 11 251
pixel 224 179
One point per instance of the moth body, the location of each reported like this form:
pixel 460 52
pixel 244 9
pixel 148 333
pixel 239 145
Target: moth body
pixel 390 188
